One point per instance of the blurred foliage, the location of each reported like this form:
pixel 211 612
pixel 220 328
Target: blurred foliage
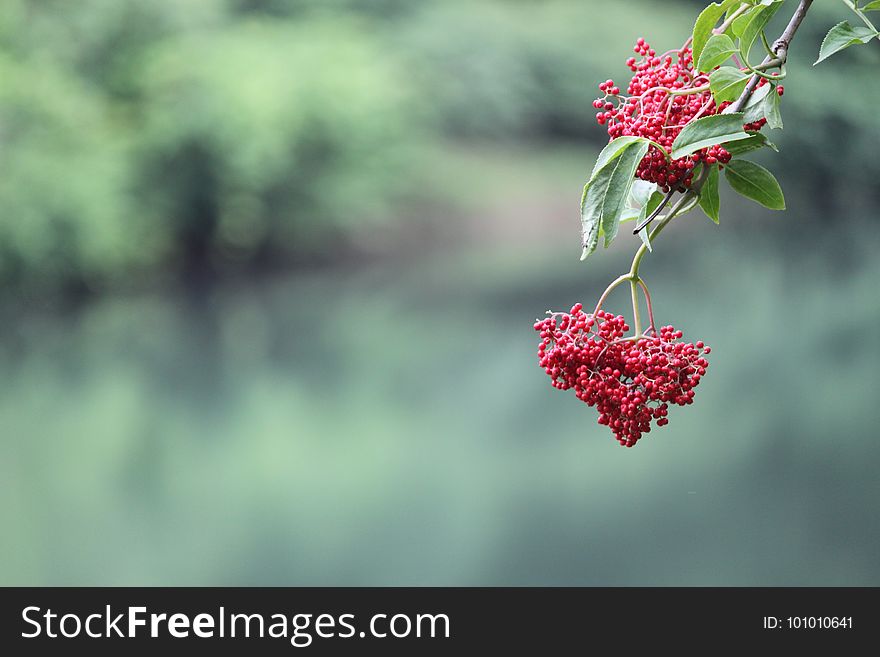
pixel 248 145
pixel 167 138
pixel 506 70
pixel 63 210
pixel 187 137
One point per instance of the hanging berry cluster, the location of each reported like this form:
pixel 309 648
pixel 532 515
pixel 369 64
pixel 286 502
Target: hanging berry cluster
pixel 631 383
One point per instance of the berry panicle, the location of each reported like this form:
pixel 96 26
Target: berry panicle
pixel 631 382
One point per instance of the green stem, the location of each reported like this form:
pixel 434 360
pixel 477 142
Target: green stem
pixel 859 14
pixel 637 317
pixel 721 29
pixel 776 62
pixel 648 303
pixel 759 70
pixel 685 203
pixel 617 281
pixel 767 47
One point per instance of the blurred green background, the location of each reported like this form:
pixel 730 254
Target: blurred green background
pixel 268 274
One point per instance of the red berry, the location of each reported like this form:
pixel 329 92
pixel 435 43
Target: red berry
pixel 630 382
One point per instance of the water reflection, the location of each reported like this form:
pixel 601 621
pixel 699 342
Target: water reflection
pixel 390 427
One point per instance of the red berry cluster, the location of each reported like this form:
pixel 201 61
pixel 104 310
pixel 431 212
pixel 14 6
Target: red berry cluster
pixel 661 99
pixel 630 382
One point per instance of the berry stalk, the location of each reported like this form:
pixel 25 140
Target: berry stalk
pixel 637 316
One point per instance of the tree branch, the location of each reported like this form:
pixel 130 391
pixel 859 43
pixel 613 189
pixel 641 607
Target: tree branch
pixel 780 49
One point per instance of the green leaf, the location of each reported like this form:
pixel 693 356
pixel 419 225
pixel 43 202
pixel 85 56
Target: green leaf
pixel 641 192
pixel 766 107
pixel 756 24
pixel 753 3
pixel 614 148
pixel 706 23
pixel 643 200
pixel 740 22
pixel 717 50
pixel 843 35
pixel 774 116
pixel 756 97
pixel 652 204
pixel 755 109
pixel 605 196
pixel 709 130
pixel 709 199
pixel 755 182
pixel 644 236
pixel 872 6
pixel 727 83
pixel 639 196
pixel 622 180
pixel 754 142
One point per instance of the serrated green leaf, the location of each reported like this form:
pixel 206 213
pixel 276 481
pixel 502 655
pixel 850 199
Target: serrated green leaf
pixel 619 189
pixel 755 109
pixel 641 206
pixel 754 142
pixel 645 237
pixel 841 36
pixel 639 196
pixel 740 22
pixel 767 107
pixel 727 83
pixel 753 3
pixel 606 194
pixel 774 116
pixel 717 50
pixel 709 130
pixel 641 193
pixel 758 22
pixel 755 182
pixel 709 199
pixel 705 23
pixel 872 6
pixel 756 97
pixel 652 204
pixel 614 148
